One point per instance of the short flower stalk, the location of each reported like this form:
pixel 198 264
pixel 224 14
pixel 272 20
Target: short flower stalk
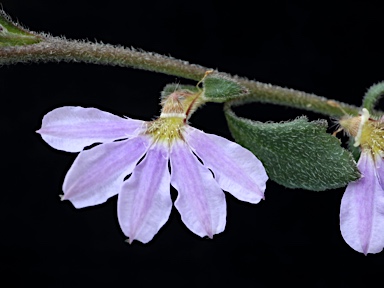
pixel 201 166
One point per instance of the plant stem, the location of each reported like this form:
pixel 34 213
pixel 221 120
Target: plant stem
pixel 267 93
pixel 58 49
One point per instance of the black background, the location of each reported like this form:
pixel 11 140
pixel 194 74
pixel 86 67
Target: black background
pixel 291 238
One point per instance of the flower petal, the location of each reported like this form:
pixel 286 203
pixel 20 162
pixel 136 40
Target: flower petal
pixel 73 128
pixel 236 169
pixel 97 174
pixel 380 169
pixel 144 203
pixel 362 209
pixel 200 201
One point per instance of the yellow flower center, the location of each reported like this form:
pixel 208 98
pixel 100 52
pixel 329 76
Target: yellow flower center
pixel 166 129
pixel 177 108
pixel 368 133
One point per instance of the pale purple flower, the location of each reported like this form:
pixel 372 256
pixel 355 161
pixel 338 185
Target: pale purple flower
pixel 144 201
pixel 362 205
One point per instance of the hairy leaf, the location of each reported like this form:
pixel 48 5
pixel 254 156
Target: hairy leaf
pixel 12 34
pixel 218 88
pixel 170 88
pixel 298 153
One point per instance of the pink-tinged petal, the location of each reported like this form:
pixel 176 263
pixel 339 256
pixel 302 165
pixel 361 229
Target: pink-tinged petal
pixel 362 210
pixel 236 169
pixel 97 174
pixel 200 201
pixel 73 128
pixel 144 203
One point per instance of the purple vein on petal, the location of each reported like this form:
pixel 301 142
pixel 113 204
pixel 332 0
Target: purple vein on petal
pixel 200 201
pixel 73 128
pixel 236 169
pixel 97 174
pixel 144 203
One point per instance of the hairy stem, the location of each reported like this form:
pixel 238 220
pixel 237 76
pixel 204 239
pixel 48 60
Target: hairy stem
pixel 59 49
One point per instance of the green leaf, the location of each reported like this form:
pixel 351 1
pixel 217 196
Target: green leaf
pixel 218 88
pixel 298 153
pixel 373 95
pixel 12 34
pixel 170 88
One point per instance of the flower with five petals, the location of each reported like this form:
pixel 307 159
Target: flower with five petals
pixel 156 154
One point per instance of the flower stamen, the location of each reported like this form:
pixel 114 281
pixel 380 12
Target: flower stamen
pixel 177 108
pixel 368 132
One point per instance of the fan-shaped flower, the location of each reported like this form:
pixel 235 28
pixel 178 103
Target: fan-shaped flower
pixel 144 202
pixel 362 206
